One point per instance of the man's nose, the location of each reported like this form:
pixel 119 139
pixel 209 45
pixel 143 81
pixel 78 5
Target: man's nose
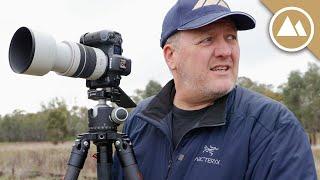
pixel 223 49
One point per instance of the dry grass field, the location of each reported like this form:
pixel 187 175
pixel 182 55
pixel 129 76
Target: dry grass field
pixel 47 161
pixel 40 161
pixel 316 154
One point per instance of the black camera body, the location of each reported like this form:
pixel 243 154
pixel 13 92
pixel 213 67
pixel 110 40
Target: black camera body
pixel 110 43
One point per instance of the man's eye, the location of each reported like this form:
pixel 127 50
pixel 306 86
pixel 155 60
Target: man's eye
pixel 207 40
pixel 232 37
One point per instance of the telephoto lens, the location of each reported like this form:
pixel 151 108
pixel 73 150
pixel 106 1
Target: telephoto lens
pixel 37 53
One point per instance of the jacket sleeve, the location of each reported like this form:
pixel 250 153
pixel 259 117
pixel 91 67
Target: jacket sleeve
pixel 285 153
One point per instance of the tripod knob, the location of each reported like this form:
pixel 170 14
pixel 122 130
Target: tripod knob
pixel 119 115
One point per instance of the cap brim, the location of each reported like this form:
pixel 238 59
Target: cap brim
pixel 243 21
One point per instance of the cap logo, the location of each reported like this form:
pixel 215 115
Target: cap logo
pixel 202 3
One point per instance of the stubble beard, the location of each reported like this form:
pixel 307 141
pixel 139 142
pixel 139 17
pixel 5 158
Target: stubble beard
pixel 198 86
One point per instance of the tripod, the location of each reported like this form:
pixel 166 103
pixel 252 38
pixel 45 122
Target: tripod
pixel 103 122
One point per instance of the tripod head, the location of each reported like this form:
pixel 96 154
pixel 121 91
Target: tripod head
pixel 102 117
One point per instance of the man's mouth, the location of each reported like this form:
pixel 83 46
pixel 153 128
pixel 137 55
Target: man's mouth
pixel 220 68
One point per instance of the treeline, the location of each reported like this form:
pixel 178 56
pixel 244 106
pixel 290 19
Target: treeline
pixel 56 122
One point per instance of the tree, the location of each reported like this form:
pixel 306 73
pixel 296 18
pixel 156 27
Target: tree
pixel 57 116
pixel 152 88
pixel 78 121
pixel 260 88
pixel 311 101
pixel 302 96
pixel 11 126
pixel 34 127
pixel 293 91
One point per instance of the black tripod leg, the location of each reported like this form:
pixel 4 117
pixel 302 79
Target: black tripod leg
pixel 104 161
pixel 127 159
pixel 72 173
pixel 77 158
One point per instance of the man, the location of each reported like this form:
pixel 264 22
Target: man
pixel 201 125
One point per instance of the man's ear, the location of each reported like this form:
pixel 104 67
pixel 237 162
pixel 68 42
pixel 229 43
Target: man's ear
pixel 169 53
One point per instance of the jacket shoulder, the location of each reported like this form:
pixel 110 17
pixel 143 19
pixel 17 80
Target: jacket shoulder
pixel 133 123
pixel 269 113
pixel 278 143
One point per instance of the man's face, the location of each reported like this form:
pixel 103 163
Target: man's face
pixel 207 59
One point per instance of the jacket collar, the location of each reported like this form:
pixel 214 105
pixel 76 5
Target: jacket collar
pixel 161 105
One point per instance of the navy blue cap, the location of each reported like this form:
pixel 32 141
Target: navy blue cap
pixel 192 14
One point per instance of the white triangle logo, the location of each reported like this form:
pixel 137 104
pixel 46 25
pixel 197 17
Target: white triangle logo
pixel 203 3
pixel 300 29
pixel 287 28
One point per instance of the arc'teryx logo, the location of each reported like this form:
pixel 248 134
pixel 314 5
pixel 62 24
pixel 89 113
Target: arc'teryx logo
pixel 210 149
pixel 209 160
pixel 202 3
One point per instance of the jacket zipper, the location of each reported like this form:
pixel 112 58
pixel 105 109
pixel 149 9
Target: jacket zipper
pixel 169 168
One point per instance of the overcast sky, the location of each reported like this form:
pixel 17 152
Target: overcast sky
pixel 139 22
